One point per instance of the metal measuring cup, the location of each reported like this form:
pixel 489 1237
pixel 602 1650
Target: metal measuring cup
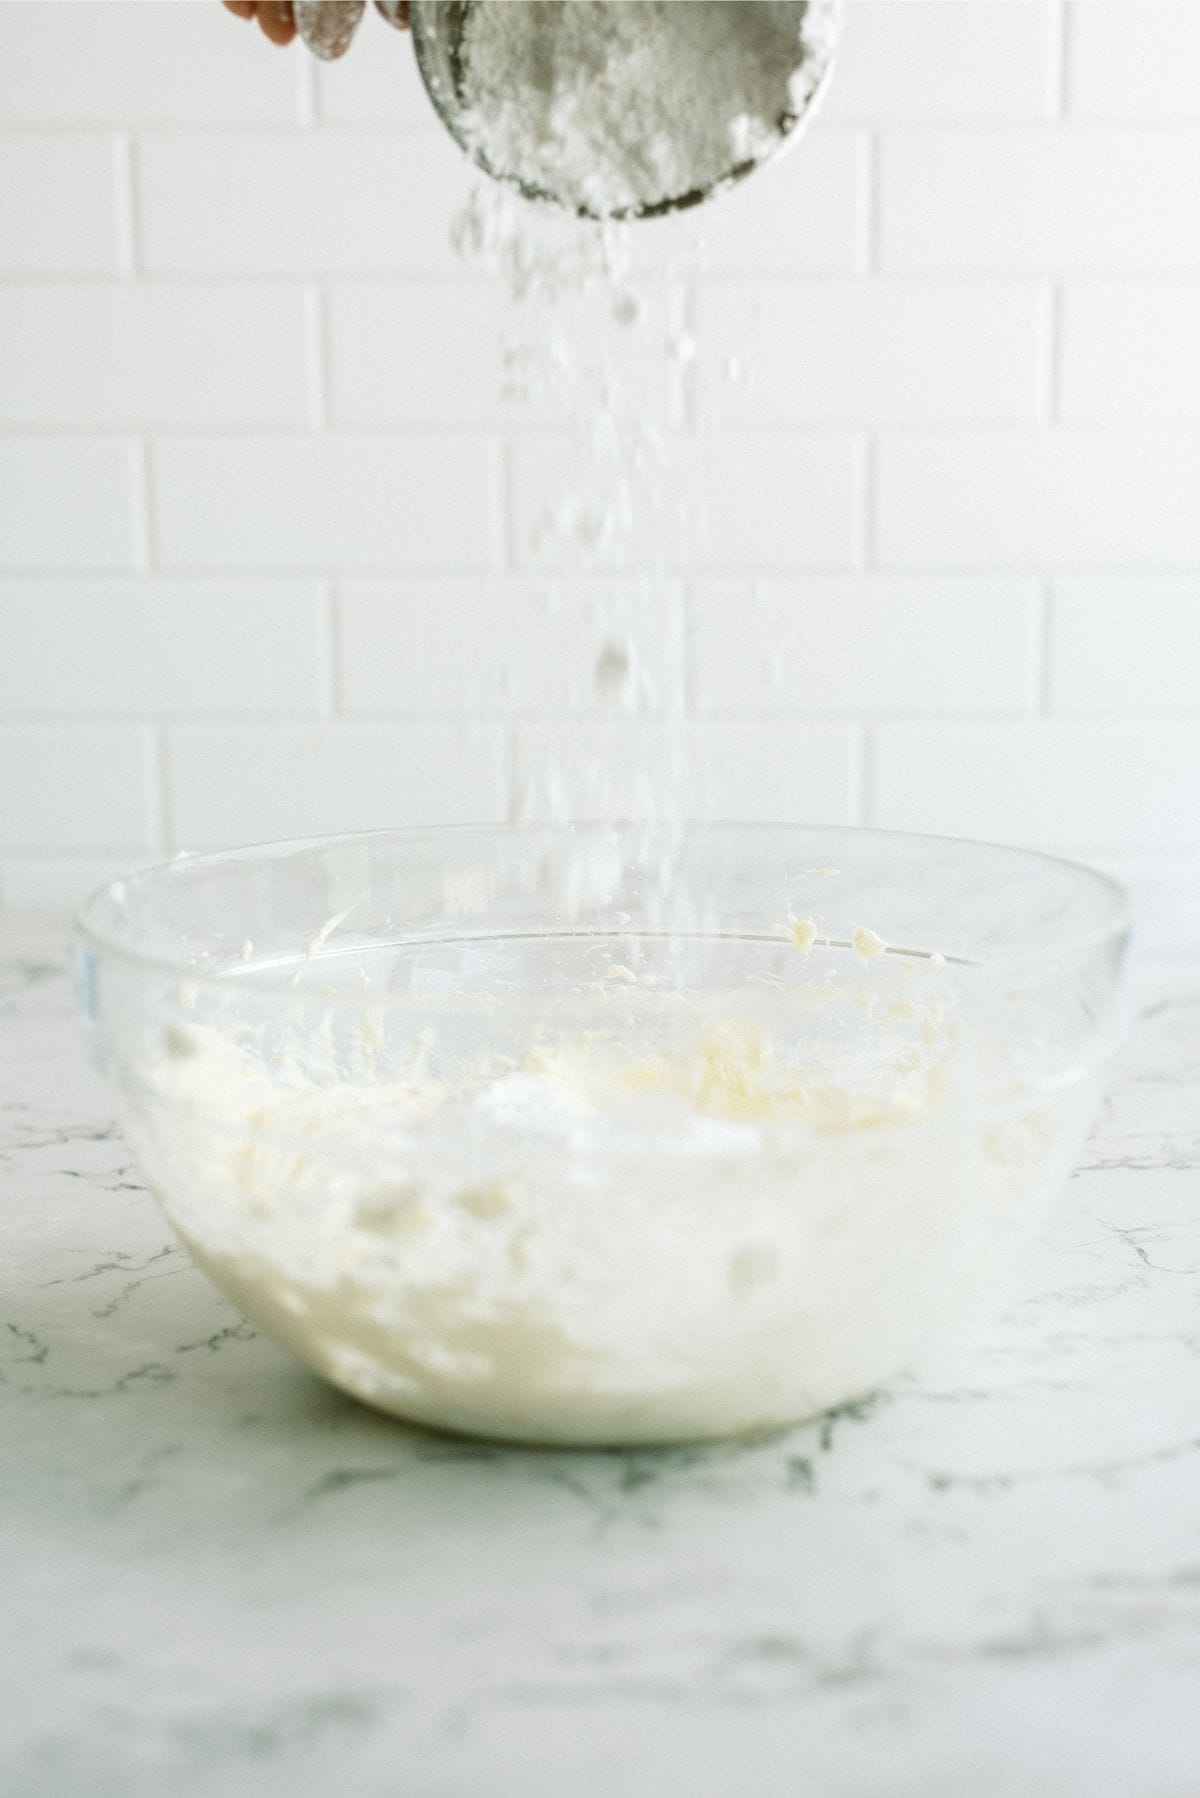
pixel 439 27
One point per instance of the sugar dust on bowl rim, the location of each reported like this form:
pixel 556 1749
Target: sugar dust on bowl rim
pixel 601 1134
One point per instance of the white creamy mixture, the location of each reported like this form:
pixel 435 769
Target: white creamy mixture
pixel 614 105
pixel 633 1234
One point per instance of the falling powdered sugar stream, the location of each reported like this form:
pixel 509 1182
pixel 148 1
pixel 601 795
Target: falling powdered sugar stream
pixel 578 336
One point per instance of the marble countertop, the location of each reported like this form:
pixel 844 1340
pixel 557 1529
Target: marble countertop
pixel 219 1577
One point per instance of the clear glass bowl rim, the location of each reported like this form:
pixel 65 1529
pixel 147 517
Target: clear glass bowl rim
pixel 1050 946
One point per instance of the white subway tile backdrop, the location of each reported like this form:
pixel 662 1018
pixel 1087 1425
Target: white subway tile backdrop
pixel 203 354
pixel 66 502
pixel 278 555
pixel 1088 199
pixel 58 193
pixel 326 501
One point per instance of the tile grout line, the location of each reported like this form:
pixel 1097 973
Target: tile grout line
pixel 484 430
pixel 861 254
pixel 688 682
pixel 158 809
pixel 1175 269
pixel 806 434
pixel 1045 378
pixel 866 480
pixel 183 570
pixel 1054 372
pixel 510 770
pixel 316 357
pixel 125 185
pixel 952 119
pixel 871 249
pixel 503 559
pixel 863 783
pixel 141 503
pixel 1059 62
pixel 329 661
pixel 1043 649
pixel 369 270
pixel 31 721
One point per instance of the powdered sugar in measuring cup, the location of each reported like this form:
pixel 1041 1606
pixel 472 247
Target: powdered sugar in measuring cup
pixel 623 108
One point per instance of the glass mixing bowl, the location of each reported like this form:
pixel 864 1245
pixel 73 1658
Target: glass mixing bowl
pixel 604 1134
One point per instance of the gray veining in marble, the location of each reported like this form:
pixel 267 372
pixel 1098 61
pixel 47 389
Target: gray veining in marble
pixel 220 1577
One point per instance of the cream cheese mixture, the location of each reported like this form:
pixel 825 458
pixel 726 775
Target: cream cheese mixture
pixel 690 1220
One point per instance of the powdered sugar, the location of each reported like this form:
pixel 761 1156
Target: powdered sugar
pixel 619 107
pixel 577 333
pixel 702 1215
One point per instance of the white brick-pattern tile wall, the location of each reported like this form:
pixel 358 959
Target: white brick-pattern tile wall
pixel 277 549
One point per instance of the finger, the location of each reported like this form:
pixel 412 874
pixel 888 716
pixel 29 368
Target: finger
pixel 275 18
pixel 241 9
pixel 328 25
pixel 395 12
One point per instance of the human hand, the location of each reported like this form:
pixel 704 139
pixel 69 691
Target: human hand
pixel 326 26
